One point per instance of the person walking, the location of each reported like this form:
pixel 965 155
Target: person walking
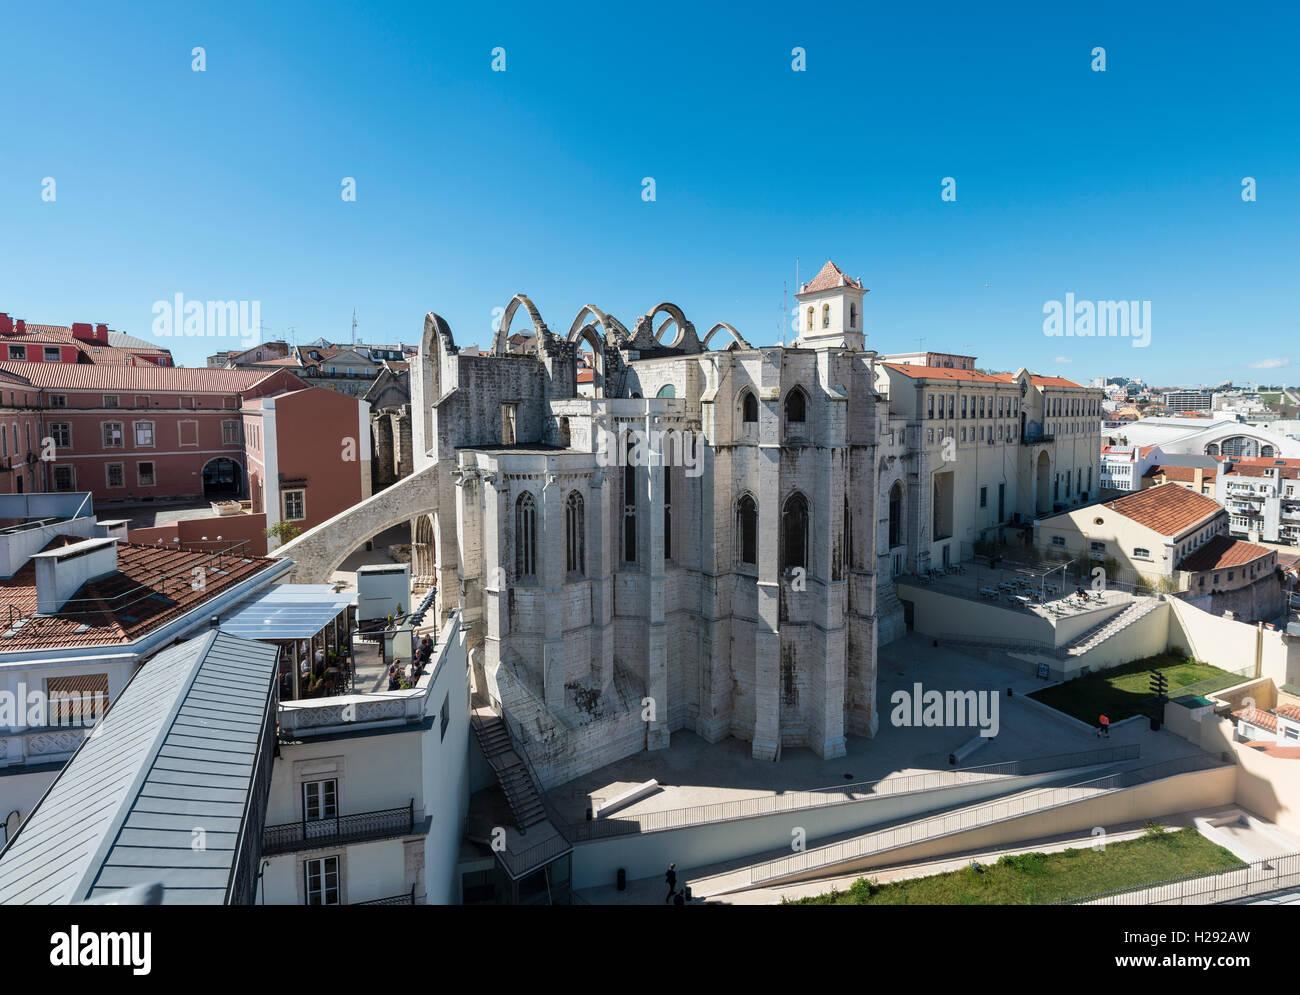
pixel 1103 729
pixel 671 878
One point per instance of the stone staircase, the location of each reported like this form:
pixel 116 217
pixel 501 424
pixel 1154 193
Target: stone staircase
pixel 1116 623
pixel 512 772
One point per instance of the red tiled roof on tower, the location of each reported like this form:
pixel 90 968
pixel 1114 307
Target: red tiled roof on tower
pixel 830 277
pixel 1221 552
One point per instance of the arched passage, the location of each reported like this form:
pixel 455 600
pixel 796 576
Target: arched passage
pixel 223 479
pixel 500 342
pixel 1044 490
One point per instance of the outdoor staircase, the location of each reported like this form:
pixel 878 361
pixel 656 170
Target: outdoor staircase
pixel 512 772
pixel 1113 625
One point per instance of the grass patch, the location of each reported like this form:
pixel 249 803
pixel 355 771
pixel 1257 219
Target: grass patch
pixel 1039 878
pixel 1124 691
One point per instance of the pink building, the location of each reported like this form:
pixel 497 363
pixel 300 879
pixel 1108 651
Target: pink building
pixel 308 454
pixel 128 433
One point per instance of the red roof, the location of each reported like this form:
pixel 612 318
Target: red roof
pixel 1167 509
pixel 152 586
pixel 974 376
pixel 1185 474
pixel 1257 717
pixel 830 277
pixel 181 379
pixel 1221 552
pixel 1291 712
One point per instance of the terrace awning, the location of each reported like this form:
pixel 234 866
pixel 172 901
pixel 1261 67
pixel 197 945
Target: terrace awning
pixel 287 611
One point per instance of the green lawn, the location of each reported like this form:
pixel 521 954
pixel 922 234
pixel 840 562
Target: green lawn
pixel 1122 692
pixel 1039 878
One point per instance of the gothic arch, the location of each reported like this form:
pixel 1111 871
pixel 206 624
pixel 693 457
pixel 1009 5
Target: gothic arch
pixel 436 343
pixel 615 332
pixel 541 332
pixel 738 340
pixel 646 337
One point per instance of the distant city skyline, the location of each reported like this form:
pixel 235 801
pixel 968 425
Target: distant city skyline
pixel 471 184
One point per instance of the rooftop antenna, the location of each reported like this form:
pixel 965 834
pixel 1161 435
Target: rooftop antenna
pixel 354 326
pixel 780 336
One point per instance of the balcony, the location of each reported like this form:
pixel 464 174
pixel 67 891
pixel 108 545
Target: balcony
pixel 339 830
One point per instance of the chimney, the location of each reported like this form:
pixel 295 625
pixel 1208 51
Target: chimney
pixel 61 572
pixel 6 324
pixel 101 333
pixel 83 330
pixel 20 328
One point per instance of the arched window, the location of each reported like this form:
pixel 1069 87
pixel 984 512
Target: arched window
pixel 796 406
pixel 848 536
pixel 896 515
pixel 1212 449
pixel 810 314
pixel 1264 451
pixel 667 390
pixel 749 407
pixel 826 316
pixel 574 532
pixel 794 533
pixel 629 505
pixel 525 536
pixel 747 529
pixel 668 513
pixel 853 316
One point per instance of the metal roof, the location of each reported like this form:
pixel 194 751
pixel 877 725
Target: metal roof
pixel 159 790
pixel 287 611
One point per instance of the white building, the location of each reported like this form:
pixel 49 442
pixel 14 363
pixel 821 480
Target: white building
pixel 1262 497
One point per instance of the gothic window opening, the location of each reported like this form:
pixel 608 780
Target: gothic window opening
pixel 749 408
pixel 629 506
pixel 668 513
pixel 574 533
pixel 525 536
pixel 826 316
pixel 747 528
pixel 794 532
pixel 796 407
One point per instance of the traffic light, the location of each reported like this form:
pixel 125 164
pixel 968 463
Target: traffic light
pixel 1159 684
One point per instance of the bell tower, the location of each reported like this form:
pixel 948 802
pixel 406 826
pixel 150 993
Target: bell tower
pixel 830 311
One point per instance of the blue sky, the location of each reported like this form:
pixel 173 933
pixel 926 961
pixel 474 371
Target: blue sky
pixel 473 184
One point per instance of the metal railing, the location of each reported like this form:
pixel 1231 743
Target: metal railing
pixel 1213 888
pixel 842 794
pixel 1209 685
pixel 518 863
pixel 978 816
pixel 338 830
pixel 407 899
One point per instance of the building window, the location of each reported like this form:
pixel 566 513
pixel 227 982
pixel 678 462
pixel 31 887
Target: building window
pixel 826 316
pixel 853 316
pixel 796 407
pixel 113 475
pixel 58 400
pixel 509 414
pixel 794 532
pixel 984 497
pixel 444 717
pixel 810 319
pixel 63 478
pixel 110 400
pixel 18 352
pixel 963 405
pixel 525 536
pixel 1097 546
pixel 574 531
pixel 848 535
pixel 668 513
pixel 112 434
pixel 145 474
pixel 230 434
pixel 629 507
pixel 52 354
pixel 749 408
pixel 187 433
pixel 1144 554
pixel 1058 540
pixel 144 433
pixel 930 407
pixel 322 880
pixel 320 800
pixel 747 528
pixel 78 700
pixel 295 505
pixel 61 433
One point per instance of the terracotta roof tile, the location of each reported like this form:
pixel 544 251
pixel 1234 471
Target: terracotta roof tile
pixel 1221 552
pixel 830 277
pixel 144 377
pixel 1257 717
pixel 1291 712
pixel 152 586
pixel 1167 509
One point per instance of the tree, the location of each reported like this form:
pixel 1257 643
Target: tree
pixel 283 531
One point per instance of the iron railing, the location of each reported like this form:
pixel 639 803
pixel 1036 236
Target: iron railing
pixel 308 834
pixel 519 863
pixel 407 899
pixel 870 844
pixel 841 794
pixel 1213 888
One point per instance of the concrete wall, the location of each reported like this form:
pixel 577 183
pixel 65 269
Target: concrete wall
pixel 1181 793
pixel 597 862
pixel 1234 645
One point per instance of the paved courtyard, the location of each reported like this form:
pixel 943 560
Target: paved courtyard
pixel 692 772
